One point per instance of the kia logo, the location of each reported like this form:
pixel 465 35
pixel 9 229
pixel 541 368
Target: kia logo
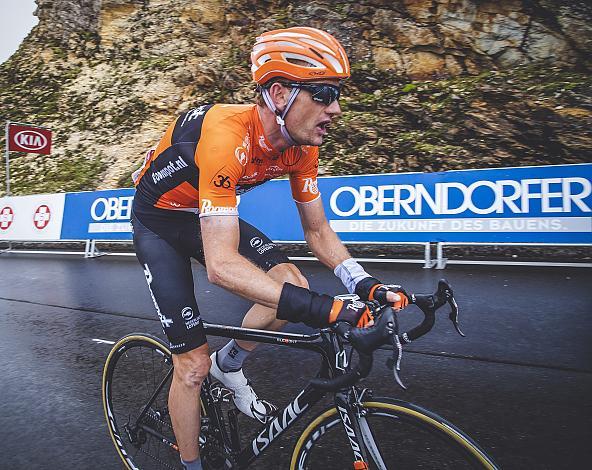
pixel 30 140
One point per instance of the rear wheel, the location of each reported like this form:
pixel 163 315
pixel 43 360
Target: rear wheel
pixel 397 435
pixel 136 382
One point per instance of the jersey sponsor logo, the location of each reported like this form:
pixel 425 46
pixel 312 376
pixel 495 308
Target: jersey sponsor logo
pixel 193 114
pixel 169 170
pixel 310 186
pixel 42 217
pixel 242 151
pixel 191 320
pixel 355 305
pixel 278 425
pixel 223 181
pixel 207 208
pixel 256 242
pixel 264 248
pixel 261 247
pixel 187 313
pixel 249 178
pixel 273 171
pixel 6 217
pixel 164 321
pixel 257 160
pixel 263 144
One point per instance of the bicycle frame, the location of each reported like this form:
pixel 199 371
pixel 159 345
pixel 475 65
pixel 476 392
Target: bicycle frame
pixel 333 359
pixel 323 343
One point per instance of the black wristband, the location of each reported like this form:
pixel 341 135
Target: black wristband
pixel 298 304
pixel 364 287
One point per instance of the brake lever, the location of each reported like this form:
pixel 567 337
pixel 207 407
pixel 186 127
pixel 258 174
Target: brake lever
pixel 447 295
pixel 453 315
pixel 394 362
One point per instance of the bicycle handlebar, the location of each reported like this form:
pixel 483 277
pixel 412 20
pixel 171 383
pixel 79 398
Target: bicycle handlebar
pixel 386 331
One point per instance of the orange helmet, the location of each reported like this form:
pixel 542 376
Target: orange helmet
pixel 276 54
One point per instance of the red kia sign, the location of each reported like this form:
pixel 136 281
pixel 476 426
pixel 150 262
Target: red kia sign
pixel 29 139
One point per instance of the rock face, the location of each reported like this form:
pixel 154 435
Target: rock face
pixel 436 84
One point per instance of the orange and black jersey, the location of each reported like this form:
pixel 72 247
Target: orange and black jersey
pixel 210 154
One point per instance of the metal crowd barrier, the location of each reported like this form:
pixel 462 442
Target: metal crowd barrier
pixel 91 250
pixel 442 261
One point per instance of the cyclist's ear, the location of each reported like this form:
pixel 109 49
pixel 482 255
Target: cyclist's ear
pixel 279 95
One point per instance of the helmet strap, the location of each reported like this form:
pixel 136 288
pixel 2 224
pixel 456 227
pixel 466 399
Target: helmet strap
pixel 280 115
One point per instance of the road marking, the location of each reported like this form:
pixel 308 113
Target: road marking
pixel 102 341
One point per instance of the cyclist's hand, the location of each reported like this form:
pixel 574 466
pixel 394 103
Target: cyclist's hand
pixel 392 294
pixel 354 312
pixel 372 289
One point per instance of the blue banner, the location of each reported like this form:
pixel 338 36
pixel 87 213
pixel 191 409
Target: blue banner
pixel 546 204
pixel 98 215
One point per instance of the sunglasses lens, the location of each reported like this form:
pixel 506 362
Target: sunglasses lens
pixel 326 94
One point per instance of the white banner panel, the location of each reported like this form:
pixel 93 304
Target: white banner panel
pixel 37 217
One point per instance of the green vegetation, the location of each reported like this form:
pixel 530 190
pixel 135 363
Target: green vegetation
pixel 74 171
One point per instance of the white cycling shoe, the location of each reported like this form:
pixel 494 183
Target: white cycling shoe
pixel 245 398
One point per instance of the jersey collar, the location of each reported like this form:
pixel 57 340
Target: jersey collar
pixel 261 139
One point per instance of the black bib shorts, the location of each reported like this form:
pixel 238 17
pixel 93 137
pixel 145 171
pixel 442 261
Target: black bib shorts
pixel 165 241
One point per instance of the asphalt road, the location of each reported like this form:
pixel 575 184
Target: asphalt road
pixel 520 382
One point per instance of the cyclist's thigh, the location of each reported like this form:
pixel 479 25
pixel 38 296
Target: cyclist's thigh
pixel 257 247
pixel 170 280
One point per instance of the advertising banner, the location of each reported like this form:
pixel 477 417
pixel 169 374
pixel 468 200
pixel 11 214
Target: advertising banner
pixel 22 138
pixel 98 215
pixel 37 217
pixel 546 204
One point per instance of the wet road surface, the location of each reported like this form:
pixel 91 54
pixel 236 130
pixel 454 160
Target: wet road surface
pixel 519 384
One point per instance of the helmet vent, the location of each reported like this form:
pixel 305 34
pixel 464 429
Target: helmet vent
pixel 316 52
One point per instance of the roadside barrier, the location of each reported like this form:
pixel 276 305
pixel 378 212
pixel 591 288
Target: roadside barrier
pixel 540 205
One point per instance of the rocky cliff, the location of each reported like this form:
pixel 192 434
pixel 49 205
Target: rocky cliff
pixel 436 85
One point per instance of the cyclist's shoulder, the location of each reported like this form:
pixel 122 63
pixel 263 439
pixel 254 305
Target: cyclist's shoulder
pixel 301 157
pixel 230 116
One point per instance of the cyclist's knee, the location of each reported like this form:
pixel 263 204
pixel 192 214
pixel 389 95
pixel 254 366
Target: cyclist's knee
pixel 192 367
pixel 287 272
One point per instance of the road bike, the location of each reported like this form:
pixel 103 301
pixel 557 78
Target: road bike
pixel 357 430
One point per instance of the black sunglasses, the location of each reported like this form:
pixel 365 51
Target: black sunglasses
pixel 321 92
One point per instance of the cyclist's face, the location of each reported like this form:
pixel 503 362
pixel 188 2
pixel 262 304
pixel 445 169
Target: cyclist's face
pixel 308 120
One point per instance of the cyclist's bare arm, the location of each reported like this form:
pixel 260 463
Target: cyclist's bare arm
pixel 322 240
pixel 229 269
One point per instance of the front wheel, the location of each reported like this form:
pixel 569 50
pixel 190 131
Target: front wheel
pixel 396 434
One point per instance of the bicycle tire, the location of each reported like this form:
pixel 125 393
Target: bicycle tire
pixel 407 436
pixel 126 388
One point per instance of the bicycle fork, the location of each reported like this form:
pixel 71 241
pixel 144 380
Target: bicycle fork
pixel 355 424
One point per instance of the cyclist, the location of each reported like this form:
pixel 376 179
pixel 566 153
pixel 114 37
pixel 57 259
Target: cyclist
pixel 186 207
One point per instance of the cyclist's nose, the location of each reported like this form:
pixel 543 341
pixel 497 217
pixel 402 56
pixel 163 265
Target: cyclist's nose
pixel 334 108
